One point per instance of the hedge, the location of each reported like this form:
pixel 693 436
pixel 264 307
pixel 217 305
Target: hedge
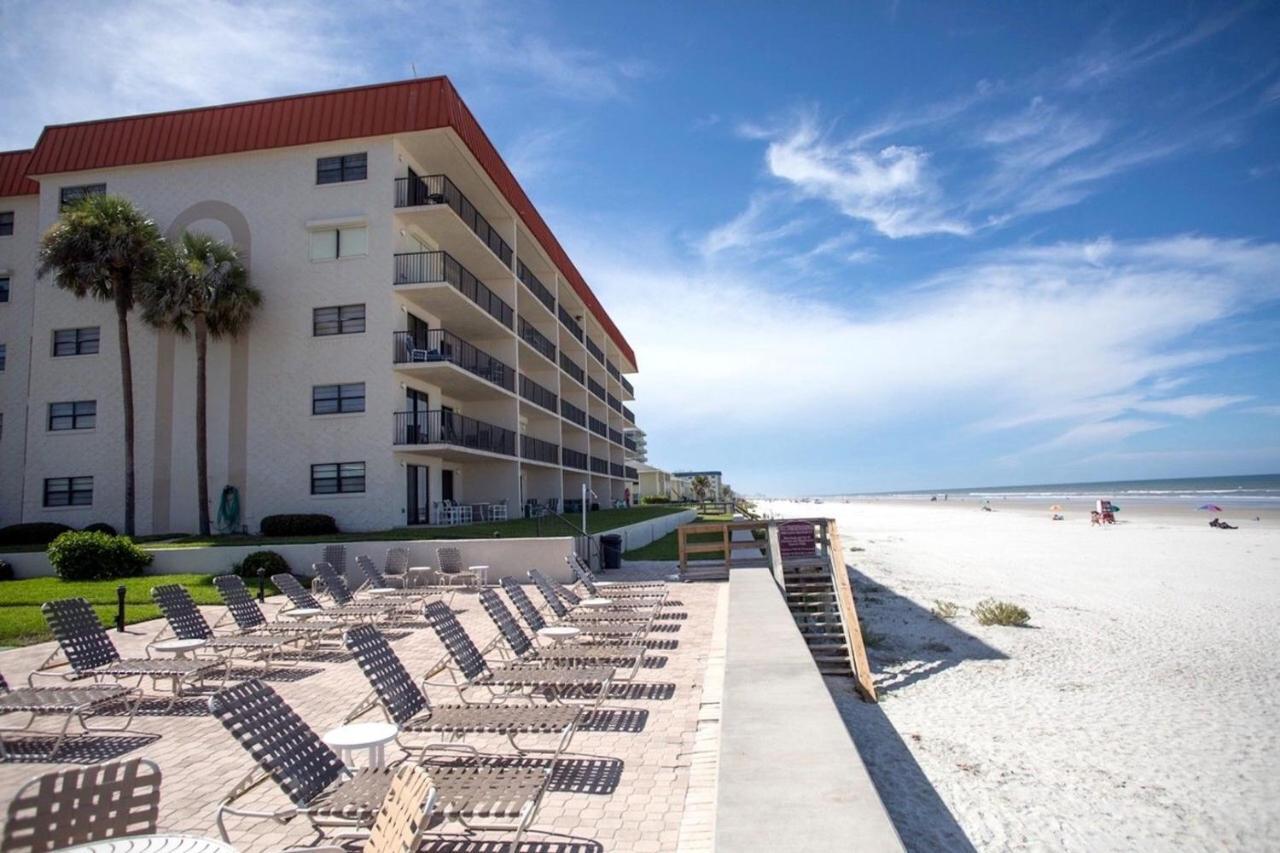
pixel 89 556
pixel 301 524
pixel 269 560
pixel 32 533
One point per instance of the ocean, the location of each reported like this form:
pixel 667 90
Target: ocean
pixel 1252 489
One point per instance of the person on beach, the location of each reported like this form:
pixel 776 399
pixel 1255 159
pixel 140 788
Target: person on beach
pixel 1222 525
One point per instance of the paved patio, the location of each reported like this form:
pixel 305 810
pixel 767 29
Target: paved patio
pixel 626 786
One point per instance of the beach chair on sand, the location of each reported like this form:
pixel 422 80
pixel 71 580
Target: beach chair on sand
pixel 321 788
pixel 185 622
pixel 472 671
pixel 80 806
pixel 304 605
pixel 69 703
pixel 91 654
pixel 594 631
pixel 622 655
pixel 250 619
pixel 406 705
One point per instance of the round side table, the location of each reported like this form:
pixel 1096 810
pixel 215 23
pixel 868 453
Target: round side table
pixel 371 737
pixel 596 603
pixel 179 648
pixel 558 634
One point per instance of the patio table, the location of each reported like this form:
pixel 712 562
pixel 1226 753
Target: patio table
pixel 153 844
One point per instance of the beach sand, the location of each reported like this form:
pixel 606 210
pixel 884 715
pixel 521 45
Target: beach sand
pixel 1139 712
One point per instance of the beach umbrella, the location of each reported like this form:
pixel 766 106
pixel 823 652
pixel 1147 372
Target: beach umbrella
pixel 1211 507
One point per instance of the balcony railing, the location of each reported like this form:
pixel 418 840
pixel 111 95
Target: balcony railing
pixel 539 450
pixel 596 388
pixel 535 393
pixel 626 386
pixel 630 473
pixel 612 369
pixel 615 436
pixel 628 442
pixel 536 339
pixel 569 323
pixel 599 466
pixel 594 350
pixel 573 459
pixel 535 285
pixel 629 415
pixel 573 413
pixel 598 427
pixel 615 469
pixel 432 267
pixel 440 427
pixel 571 367
pixel 615 403
pixel 444 346
pixel 438 189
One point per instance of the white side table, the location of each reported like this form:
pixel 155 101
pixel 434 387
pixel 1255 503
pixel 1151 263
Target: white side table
pixel 419 575
pixel 153 844
pixel 596 603
pixel 558 634
pixel 179 648
pixel 371 737
pixel 482 574
pixel 305 613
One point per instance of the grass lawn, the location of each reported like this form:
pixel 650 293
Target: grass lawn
pixel 21 622
pixel 667 548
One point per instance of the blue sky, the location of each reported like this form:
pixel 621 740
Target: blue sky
pixel 856 246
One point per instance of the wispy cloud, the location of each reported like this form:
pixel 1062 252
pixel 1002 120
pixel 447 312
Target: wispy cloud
pixel 1271 410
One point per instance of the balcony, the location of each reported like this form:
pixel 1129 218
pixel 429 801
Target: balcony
pixel 613 370
pixel 614 403
pixel 458 367
pixel 451 435
pixel 537 450
pixel 573 413
pixel 537 340
pixel 536 287
pixel 571 367
pixel 630 473
pixel 535 393
pixel 569 323
pixel 573 459
pixel 594 350
pixel 615 436
pixel 598 427
pixel 432 190
pixel 599 466
pixel 596 388
pixel 629 415
pixel 628 442
pixel 439 268
pixel 615 469
pixel 627 389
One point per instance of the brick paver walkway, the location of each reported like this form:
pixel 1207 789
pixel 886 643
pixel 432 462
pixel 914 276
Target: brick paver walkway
pixel 618 791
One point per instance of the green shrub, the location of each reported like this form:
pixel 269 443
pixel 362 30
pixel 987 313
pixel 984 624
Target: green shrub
pixel 32 533
pixel 992 612
pixel 945 610
pixel 6 571
pixel 100 527
pixel 88 556
pixel 299 524
pixel 269 560
pixel 655 499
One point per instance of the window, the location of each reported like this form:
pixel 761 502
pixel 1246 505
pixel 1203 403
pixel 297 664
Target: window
pixel 83 341
pixel 337 320
pixel 6 223
pixel 348 167
pixel 81 414
pixel 346 242
pixel 337 478
pixel 335 399
pixel 2 357
pixel 71 195
pixel 68 491
pixel 4 288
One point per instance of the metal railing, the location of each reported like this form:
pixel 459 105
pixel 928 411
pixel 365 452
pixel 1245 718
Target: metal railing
pixel 614 403
pixel 612 370
pixel 571 324
pixel 615 469
pixel 596 388
pixel 615 436
pixel 535 393
pixel 440 427
pixel 539 450
pixel 440 345
pixel 530 335
pixel 630 473
pixel 594 349
pixel 571 367
pixel 573 459
pixel 626 386
pixel 597 426
pixel 535 285
pixel 628 442
pixel 432 267
pixel 573 413
pixel 438 189
pixel 629 415
pixel 599 466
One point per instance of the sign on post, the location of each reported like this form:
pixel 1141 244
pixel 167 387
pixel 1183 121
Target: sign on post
pixel 796 539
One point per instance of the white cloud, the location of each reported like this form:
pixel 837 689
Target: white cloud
pixel 1273 410
pixel 754 228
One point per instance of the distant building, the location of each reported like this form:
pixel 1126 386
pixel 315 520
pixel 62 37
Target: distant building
pixel 714 477
pixel 654 482
pixel 637 448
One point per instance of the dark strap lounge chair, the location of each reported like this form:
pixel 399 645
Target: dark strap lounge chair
pixel 249 617
pixel 186 622
pixel 69 703
pixel 628 620
pixel 303 604
pixel 536 621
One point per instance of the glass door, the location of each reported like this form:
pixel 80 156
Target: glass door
pixel 418 420
pixel 418 504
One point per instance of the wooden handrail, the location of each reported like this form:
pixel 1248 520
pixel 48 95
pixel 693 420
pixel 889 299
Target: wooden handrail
pixel 775 559
pixel 849 614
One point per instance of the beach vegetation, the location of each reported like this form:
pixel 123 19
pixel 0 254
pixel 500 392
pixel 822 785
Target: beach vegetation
pixel 89 555
pixel 945 610
pixel 992 612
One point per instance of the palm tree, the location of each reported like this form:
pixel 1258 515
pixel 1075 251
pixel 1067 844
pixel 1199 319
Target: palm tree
pixel 203 287
pixel 701 488
pixel 104 247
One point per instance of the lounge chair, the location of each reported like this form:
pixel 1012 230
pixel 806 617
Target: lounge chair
pixel 336 556
pixel 91 654
pixel 249 617
pixel 335 586
pixel 68 808
pixel 405 704
pixel 625 597
pixel 304 605
pixel 377 585
pixel 402 819
pixel 622 655
pixel 451 569
pixel 185 622
pixel 69 703
pixel 537 622
pixel 395 568
pixel 558 596
pixel 328 795
pixel 583 573
pixel 505 682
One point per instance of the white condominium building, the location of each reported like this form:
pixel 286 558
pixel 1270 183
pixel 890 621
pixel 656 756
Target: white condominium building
pixel 423 338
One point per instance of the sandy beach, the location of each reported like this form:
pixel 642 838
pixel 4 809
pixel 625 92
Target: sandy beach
pixel 1138 712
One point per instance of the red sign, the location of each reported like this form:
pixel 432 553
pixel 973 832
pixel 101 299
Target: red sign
pixel 796 539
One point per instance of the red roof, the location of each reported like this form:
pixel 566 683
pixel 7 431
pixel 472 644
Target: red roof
pixel 13 174
pixel 403 107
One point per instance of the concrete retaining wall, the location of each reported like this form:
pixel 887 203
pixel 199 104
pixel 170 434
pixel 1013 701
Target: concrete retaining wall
pixel 790 777
pixel 643 532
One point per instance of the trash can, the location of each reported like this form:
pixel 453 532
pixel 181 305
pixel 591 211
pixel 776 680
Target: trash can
pixel 611 551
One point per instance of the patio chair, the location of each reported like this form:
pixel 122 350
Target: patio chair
pixel 249 617
pixel 68 808
pixel 69 703
pixel 185 621
pixel 402 819
pixel 627 656
pixel 335 586
pixel 622 595
pixel 304 605
pixel 451 568
pixel 321 789
pixel 505 682
pixel 336 556
pixel 556 593
pixel 91 654
pixel 378 585
pixel 404 703
pixel 583 571
pixel 498 511
pixel 594 631
pixel 396 567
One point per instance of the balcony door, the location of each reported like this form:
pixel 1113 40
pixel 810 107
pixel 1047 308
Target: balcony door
pixel 417 421
pixel 446 484
pixel 418 503
pixel 418 329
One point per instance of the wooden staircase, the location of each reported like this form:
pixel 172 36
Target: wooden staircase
pixel 811 597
